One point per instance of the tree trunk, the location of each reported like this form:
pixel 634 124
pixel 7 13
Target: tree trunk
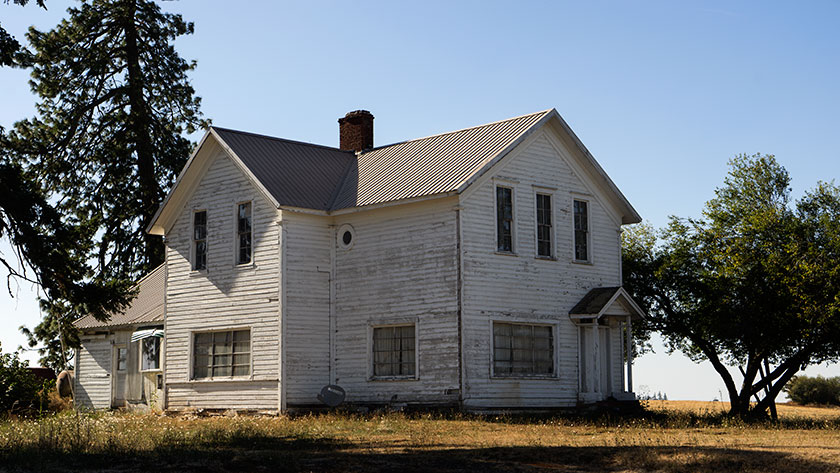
pixel 148 192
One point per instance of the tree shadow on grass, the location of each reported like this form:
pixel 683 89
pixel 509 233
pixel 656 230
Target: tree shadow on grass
pixel 272 454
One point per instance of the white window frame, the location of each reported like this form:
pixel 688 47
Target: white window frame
pixel 193 244
pixel 588 259
pixel 513 243
pixel 160 358
pixel 554 349
pixel 217 379
pixel 539 190
pixel 370 356
pixel 236 262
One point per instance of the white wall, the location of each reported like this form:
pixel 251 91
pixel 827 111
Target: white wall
pixel 402 268
pixel 523 287
pixel 92 379
pixel 225 296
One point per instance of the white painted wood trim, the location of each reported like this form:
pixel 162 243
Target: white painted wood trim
pixel 393 322
pixel 589 253
pixel 540 190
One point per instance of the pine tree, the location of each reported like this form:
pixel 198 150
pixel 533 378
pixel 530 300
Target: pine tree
pixel 107 139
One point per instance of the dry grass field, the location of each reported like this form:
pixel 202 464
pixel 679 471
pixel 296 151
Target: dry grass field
pixel 672 437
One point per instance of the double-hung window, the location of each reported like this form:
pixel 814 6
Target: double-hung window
pixel 243 233
pixel 504 219
pixel 581 225
pixel 544 229
pixel 523 349
pixel 222 354
pixel 199 240
pixel 394 352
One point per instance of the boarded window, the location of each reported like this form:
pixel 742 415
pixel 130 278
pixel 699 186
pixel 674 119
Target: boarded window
pixel 199 240
pixel 150 357
pixel 222 354
pixel 544 228
pixel 394 351
pixel 522 350
pixel 581 216
pixel 243 233
pixel 504 219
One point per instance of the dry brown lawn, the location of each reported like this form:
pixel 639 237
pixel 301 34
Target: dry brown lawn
pixel 785 410
pixel 674 441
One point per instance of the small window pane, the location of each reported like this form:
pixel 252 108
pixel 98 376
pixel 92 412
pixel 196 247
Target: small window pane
pixel 581 223
pixel 544 228
pixel 243 231
pixel 504 219
pixel 200 240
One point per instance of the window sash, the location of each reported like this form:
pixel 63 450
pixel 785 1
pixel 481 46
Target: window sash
pixel 581 225
pixel 243 233
pixel 394 351
pixel 222 354
pixel 523 349
pixel 544 226
pixel 200 240
pixel 504 219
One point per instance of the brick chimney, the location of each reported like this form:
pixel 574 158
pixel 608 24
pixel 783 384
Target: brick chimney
pixel 356 131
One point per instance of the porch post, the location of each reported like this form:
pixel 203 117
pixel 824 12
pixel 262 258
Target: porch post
pixel 594 333
pixel 629 347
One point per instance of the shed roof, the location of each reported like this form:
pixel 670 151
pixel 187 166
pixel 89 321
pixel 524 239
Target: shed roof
pixel 146 307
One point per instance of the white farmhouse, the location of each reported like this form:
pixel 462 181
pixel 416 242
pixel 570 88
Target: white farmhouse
pixel 479 268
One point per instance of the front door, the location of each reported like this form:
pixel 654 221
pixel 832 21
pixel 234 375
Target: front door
pixel 118 388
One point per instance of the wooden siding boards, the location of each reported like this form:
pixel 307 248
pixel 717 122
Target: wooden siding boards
pixel 224 296
pixel 307 316
pixel 522 287
pixel 402 268
pixel 92 377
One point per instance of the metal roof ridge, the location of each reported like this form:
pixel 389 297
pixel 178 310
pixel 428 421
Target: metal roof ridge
pixel 285 140
pixel 541 112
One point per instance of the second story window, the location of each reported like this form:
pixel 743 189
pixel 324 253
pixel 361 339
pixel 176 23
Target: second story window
pixel 243 233
pixel 199 240
pixel 581 216
pixel 544 228
pixel 504 219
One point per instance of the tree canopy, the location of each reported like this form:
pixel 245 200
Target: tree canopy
pixel 108 138
pixel 754 283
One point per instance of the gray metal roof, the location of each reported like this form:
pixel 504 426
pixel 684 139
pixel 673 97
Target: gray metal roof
pixel 427 166
pixel 146 307
pixel 296 174
pixel 594 301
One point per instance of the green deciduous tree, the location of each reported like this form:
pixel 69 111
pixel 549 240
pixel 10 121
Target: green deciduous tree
pixel 754 283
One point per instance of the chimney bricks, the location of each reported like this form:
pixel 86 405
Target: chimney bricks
pixel 356 131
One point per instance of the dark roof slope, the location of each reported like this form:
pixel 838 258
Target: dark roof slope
pixel 297 174
pixel 594 301
pixel 146 307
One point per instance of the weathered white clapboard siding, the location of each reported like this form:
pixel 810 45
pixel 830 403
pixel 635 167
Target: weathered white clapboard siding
pixel 522 287
pixel 225 296
pixel 402 268
pixel 92 378
pixel 306 281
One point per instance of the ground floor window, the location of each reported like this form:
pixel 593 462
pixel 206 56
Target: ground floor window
pixel 523 349
pixel 222 354
pixel 394 352
pixel 150 354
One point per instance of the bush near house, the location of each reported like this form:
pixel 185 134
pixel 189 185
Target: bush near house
pixel 21 392
pixel 817 390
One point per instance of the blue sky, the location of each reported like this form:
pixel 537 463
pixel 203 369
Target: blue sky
pixel 662 93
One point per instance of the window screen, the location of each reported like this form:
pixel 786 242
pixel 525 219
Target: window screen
pixel 522 349
pixel 504 219
pixel 222 354
pixel 393 351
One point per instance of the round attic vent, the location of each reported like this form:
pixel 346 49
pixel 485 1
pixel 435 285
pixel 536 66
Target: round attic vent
pixel 346 236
